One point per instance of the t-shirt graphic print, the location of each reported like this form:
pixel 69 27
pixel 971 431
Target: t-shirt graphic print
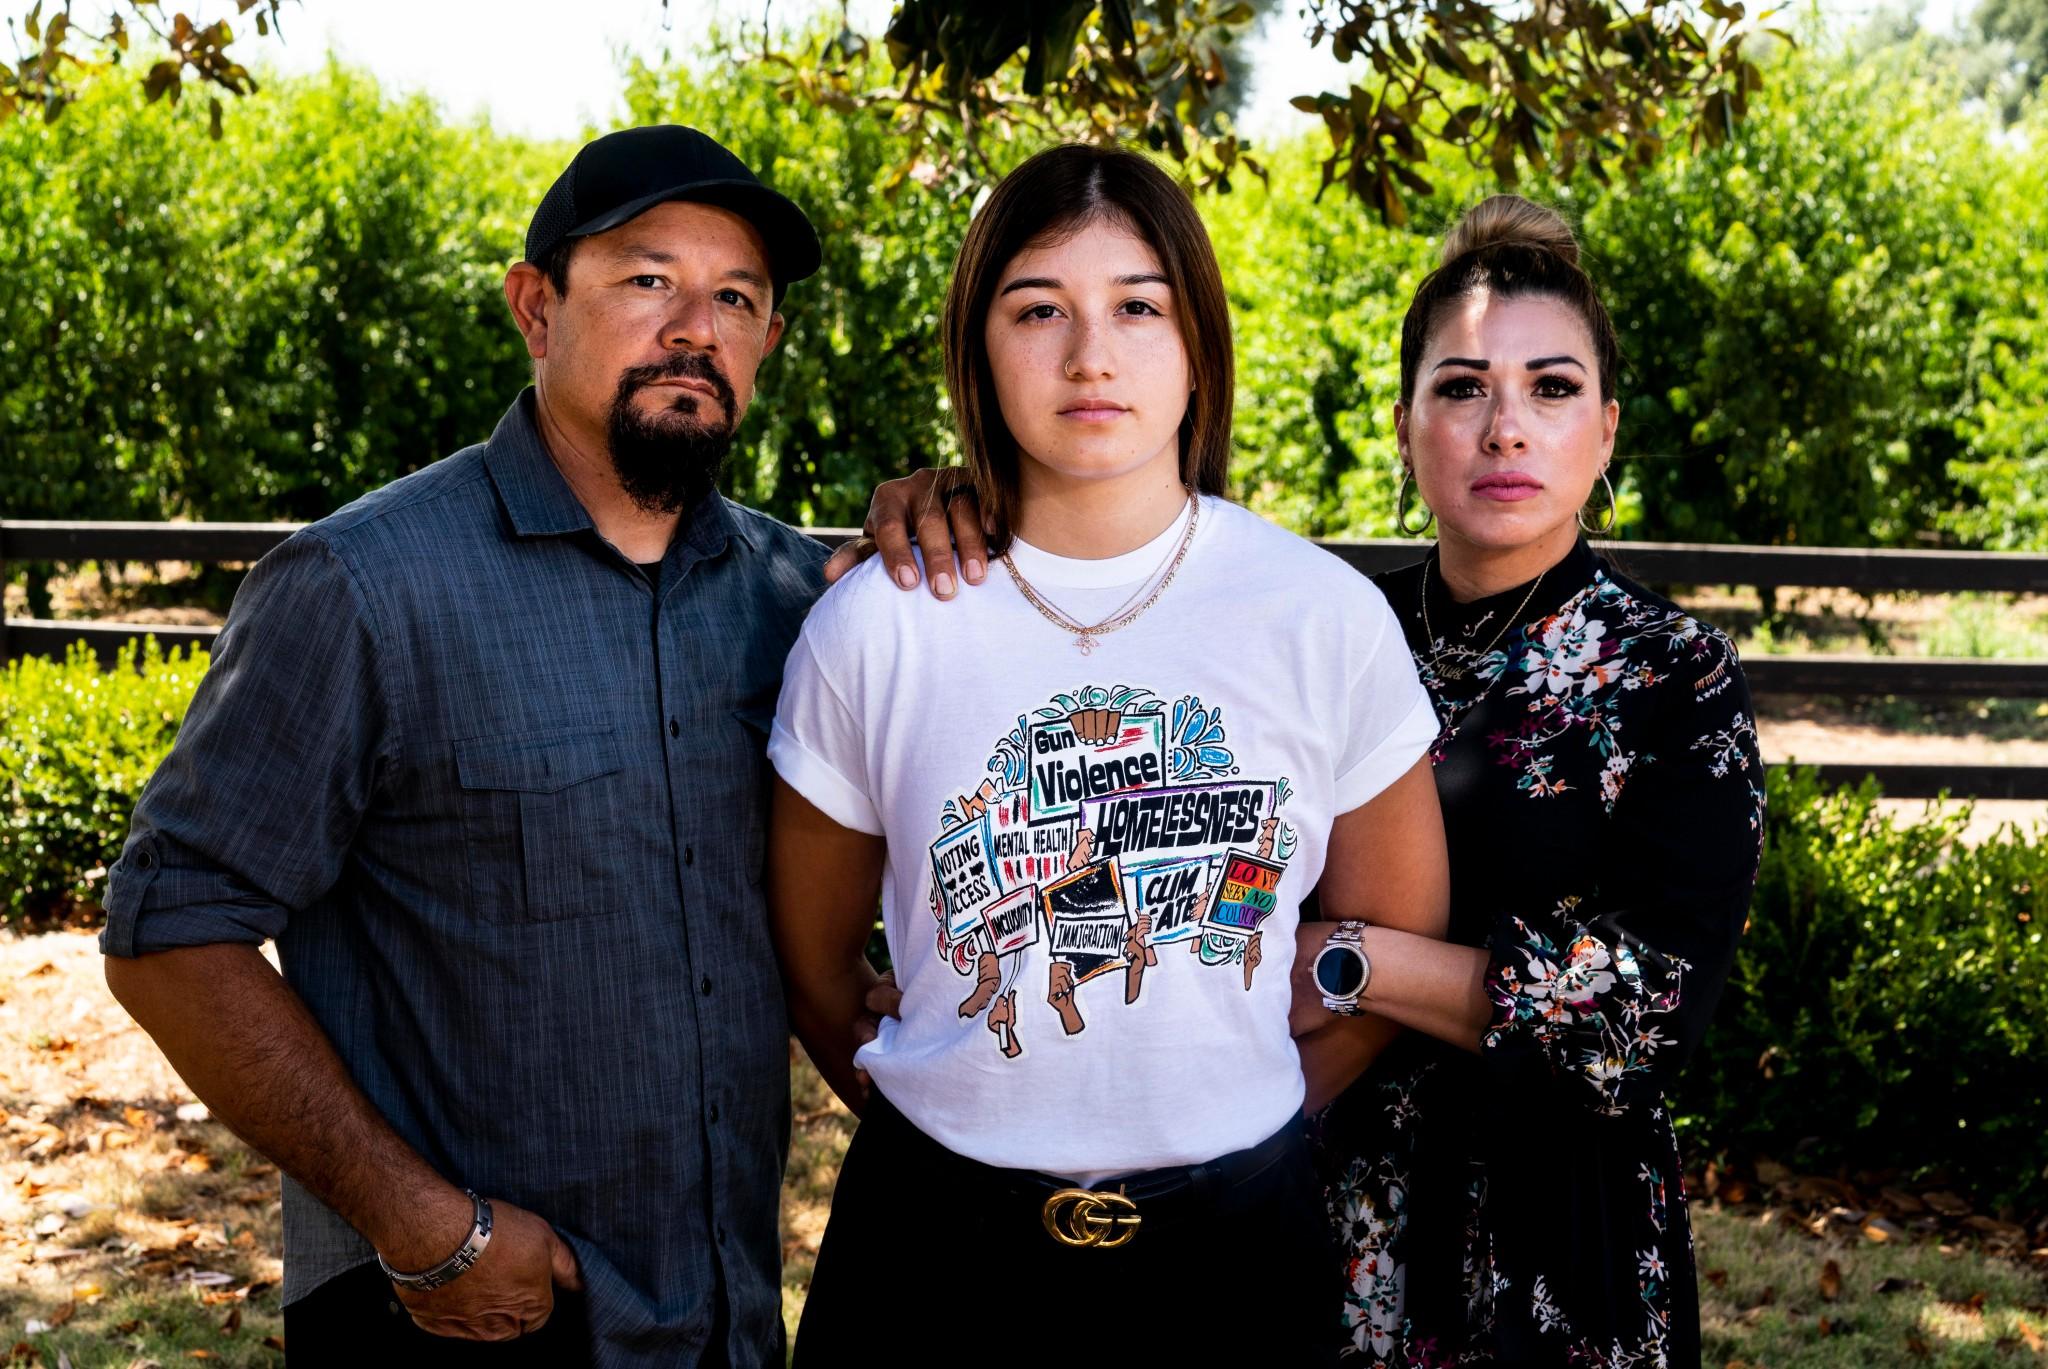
pixel 1095 859
pixel 1110 827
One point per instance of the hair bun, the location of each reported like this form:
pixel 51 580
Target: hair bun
pixel 1510 220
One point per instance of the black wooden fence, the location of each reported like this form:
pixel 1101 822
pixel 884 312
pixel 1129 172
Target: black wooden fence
pixel 1663 563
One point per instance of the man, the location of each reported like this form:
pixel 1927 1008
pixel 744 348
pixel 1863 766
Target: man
pixel 483 752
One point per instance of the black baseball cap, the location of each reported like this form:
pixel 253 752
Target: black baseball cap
pixel 626 173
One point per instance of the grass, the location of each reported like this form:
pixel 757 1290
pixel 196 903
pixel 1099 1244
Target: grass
pixel 2007 627
pixel 1765 1291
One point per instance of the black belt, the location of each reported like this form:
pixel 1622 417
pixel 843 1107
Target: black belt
pixel 1109 1216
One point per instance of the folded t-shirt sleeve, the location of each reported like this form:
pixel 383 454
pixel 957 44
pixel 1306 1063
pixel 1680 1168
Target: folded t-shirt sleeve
pixel 817 745
pixel 1391 723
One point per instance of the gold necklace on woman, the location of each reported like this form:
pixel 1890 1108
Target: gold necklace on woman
pixel 1459 672
pixel 1085 636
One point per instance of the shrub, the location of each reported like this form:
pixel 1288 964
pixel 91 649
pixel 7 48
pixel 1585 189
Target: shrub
pixel 1889 1007
pixel 77 744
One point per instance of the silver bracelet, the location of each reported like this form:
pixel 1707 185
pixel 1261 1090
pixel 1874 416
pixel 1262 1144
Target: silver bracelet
pixel 456 1265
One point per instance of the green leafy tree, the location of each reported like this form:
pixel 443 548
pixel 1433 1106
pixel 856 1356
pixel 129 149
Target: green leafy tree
pixel 1599 83
pixel 66 48
pixel 2002 468
pixel 1797 308
pixel 179 337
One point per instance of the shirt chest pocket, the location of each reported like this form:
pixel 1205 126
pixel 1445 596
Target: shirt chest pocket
pixel 541 812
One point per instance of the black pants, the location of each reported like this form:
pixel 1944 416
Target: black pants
pixel 931 1258
pixel 354 1319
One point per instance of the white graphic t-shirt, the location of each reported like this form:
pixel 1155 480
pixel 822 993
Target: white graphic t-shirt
pixel 1095 859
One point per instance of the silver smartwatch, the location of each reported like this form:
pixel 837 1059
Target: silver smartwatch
pixel 456 1265
pixel 1342 970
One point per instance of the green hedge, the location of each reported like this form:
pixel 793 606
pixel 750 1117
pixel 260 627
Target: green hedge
pixel 1889 1008
pixel 76 745
pixel 1834 321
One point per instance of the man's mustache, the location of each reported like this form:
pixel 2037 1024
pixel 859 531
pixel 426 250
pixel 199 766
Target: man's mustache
pixel 680 366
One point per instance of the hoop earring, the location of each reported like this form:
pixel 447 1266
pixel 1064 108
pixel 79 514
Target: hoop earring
pixel 1607 526
pixel 1401 509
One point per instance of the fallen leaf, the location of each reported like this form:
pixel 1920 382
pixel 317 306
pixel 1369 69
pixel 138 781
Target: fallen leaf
pixel 47 967
pixel 197 1163
pixel 128 1328
pixel 231 1323
pixel 1882 1229
pixel 1767 1297
pixel 64 1314
pixel 1892 1283
pixel 2030 1336
pixel 1735 1191
pixel 244 1239
pixel 1917 1347
pixel 1827 1328
pixel 274 1343
pixel 1717 1277
pixel 1900 1202
pixel 1946 1203
pixel 200 1354
pixel 135 1117
pixel 1830 1281
pixel 113 1138
pixel 86 1291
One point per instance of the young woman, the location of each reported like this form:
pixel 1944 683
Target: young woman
pixel 1505 1180
pixel 1091 808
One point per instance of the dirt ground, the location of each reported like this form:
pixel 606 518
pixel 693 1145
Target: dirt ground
pixel 115 1184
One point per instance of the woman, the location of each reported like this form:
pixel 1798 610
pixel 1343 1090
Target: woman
pixel 1505 1180
pixel 1091 807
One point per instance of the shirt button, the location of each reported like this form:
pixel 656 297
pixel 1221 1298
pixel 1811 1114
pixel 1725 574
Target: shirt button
pixel 705 985
pixel 712 1112
pixel 689 855
pixel 675 729
pixel 144 859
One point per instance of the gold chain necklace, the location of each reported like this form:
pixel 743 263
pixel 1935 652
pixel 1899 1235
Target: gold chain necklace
pixel 1085 636
pixel 1452 672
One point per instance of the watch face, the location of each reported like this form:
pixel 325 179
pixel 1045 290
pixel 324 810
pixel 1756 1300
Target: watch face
pixel 1340 971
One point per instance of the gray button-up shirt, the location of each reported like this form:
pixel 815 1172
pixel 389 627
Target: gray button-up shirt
pixel 500 802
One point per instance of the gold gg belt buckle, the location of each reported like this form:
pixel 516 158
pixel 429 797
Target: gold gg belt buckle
pixel 1081 1217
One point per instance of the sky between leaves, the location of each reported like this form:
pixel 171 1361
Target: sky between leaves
pixel 547 69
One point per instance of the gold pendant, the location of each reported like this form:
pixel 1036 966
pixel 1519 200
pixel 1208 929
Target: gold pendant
pixel 1086 643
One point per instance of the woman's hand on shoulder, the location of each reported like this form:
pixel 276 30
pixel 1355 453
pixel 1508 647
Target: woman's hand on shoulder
pixel 932 510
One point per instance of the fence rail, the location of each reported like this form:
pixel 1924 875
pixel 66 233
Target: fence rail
pixel 1666 563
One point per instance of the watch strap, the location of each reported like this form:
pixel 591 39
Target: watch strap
pixel 1349 935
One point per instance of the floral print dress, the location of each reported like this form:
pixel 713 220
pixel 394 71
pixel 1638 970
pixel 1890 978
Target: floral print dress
pixel 1603 798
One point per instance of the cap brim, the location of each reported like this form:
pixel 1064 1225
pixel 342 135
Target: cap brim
pixel 792 244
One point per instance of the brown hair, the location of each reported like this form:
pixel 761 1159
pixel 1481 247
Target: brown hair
pixel 1056 193
pixel 1508 246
